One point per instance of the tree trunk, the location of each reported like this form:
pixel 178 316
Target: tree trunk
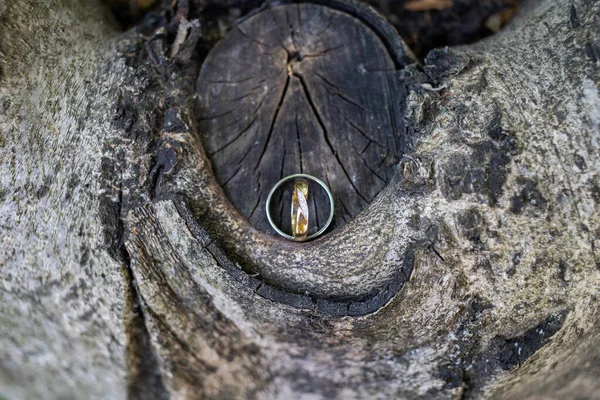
pixel 136 260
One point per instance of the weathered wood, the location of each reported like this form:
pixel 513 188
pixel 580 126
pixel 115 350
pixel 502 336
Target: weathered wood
pixel 302 89
pixel 473 274
pixel 63 299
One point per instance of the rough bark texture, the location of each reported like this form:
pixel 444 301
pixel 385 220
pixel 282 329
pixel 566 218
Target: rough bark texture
pixel 126 271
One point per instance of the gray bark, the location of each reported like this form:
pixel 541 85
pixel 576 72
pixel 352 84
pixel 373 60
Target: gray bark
pixel 126 272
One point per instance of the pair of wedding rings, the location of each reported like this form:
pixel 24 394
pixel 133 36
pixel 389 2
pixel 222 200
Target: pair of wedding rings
pixel 299 208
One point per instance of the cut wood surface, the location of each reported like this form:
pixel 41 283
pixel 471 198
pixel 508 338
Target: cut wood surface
pixel 302 89
pixel 128 269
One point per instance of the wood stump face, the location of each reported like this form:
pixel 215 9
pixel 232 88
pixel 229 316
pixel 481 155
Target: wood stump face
pixel 301 88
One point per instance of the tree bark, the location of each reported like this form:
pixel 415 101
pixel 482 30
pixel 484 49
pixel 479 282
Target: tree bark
pixel 127 270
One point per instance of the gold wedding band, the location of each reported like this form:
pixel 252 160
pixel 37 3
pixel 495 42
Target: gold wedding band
pixel 299 209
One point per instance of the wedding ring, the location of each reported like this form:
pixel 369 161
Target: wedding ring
pixel 299 209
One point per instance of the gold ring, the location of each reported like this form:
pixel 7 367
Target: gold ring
pixel 299 210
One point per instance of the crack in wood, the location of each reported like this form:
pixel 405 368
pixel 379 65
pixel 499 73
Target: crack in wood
pixel 273 121
pixel 236 137
pixel 252 40
pixel 359 129
pixel 325 134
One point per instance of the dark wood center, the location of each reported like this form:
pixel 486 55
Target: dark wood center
pixel 301 88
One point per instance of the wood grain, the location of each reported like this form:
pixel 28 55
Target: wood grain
pixel 301 88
